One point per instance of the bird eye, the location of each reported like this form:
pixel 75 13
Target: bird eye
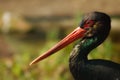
pixel 88 22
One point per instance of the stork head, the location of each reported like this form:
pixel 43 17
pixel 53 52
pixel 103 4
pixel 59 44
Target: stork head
pixel 92 24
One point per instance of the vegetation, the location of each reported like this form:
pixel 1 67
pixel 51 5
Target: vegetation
pixel 53 68
pixel 56 67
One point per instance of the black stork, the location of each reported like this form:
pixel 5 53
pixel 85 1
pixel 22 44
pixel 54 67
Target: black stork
pixel 93 30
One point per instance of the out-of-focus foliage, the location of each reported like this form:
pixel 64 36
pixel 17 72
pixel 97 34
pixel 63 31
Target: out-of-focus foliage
pixel 24 48
pixel 53 68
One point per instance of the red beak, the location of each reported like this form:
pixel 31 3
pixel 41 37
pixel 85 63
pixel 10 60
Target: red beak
pixel 76 34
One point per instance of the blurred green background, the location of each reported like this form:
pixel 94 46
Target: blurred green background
pixel 28 28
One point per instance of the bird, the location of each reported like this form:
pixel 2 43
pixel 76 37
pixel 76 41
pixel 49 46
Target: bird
pixel 92 31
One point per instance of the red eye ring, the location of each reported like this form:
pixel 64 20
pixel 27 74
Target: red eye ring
pixel 88 24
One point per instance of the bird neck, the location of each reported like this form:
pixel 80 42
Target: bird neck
pixel 82 49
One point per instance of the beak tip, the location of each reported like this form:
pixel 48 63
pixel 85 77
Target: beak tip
pixel 33 62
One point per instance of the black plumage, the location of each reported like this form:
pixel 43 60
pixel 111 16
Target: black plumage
pixel 93 30
pixel 84 69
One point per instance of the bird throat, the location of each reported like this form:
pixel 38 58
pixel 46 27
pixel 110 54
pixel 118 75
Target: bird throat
pixel 81 50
